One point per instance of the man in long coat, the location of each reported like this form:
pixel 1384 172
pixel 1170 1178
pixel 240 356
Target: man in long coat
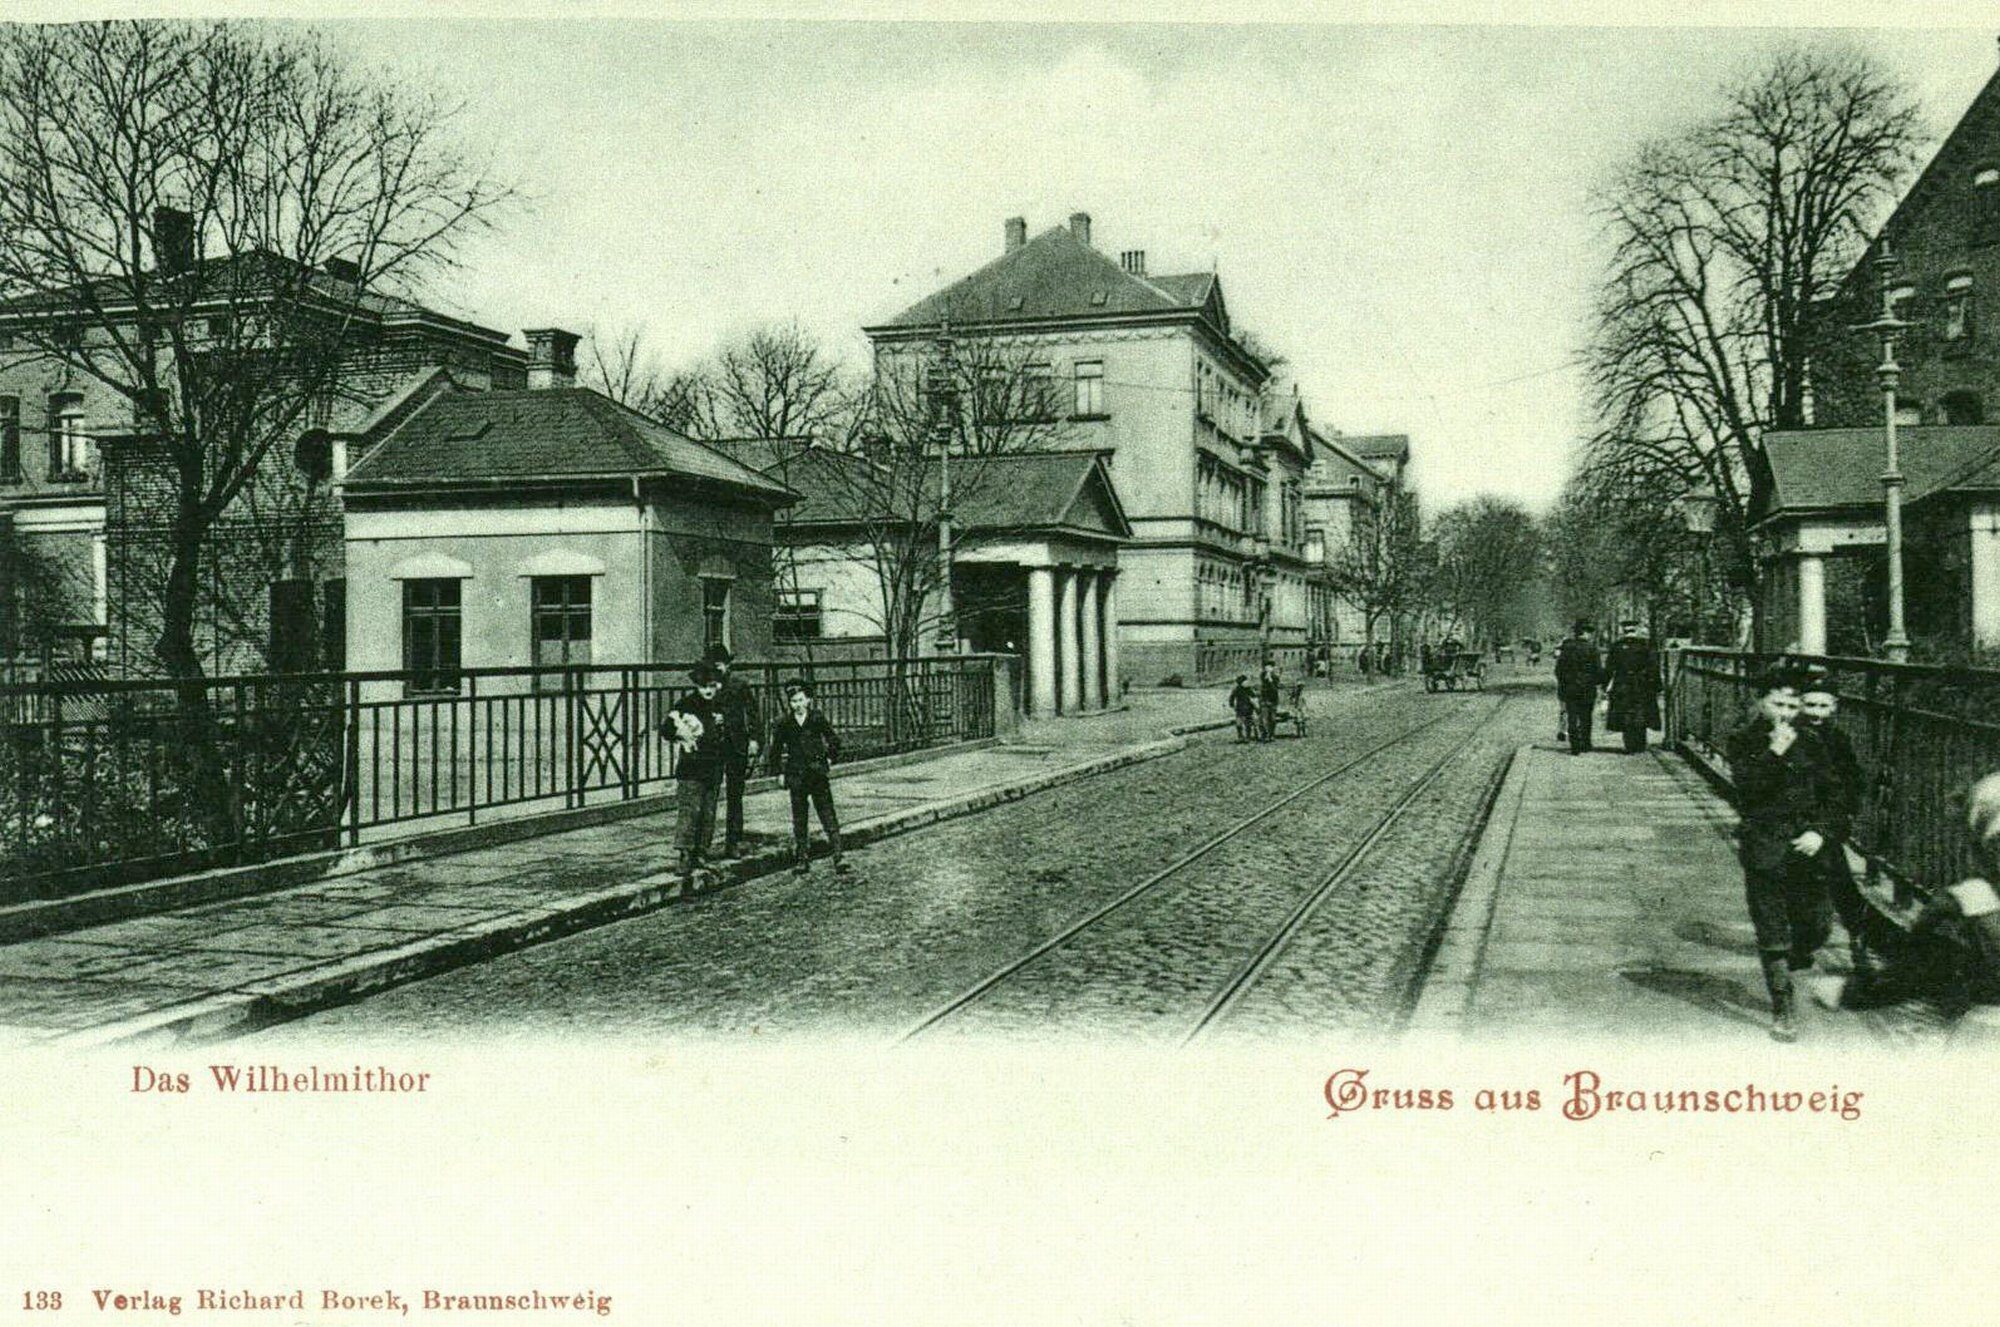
pixel 1634 672
pixel 1579 672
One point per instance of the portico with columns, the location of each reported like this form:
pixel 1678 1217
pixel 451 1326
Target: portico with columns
pixel 1824 526
pixel 1072 635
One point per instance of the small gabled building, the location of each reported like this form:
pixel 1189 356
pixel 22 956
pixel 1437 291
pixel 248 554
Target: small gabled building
pixel 543 528
pixel 1036 543
pixel 1824 591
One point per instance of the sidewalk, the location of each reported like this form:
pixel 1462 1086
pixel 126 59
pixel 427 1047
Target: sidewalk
pixel 1605 901
pixel 203 972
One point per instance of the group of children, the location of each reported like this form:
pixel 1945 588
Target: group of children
pixel 714 730
pixel 1799 788
pixel 1256 708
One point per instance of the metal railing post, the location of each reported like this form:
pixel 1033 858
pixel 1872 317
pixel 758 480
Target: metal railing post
pixel 353 762
pixel 471 749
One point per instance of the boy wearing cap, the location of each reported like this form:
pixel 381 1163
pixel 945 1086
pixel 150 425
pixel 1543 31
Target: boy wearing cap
pixel 804 748
pixel 1840 792
pixel 1244 701
pixel 1776 776
pixel 694 726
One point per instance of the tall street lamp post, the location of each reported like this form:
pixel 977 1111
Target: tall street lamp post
pixel 1889 373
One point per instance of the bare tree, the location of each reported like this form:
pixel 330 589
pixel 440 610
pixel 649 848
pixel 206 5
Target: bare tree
pixel 778 382
pixel 1724 238
pixel 1384 566
pixel 193 216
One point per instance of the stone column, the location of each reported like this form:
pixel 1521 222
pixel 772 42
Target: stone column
pixel 1041 641
pixel 1108 616
pixel 1812 604
pixel 1985 577
pixel 1067 668
pixel 1092 654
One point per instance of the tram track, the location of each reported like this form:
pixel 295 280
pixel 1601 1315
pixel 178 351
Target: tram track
pixel 1246 974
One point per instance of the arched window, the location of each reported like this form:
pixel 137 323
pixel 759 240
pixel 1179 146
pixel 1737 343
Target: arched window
pixel 1986 205
pixel 1958 321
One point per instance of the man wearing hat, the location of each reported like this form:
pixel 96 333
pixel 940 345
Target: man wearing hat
pixel 742 727
pixel 1634 672
pixel 1579 672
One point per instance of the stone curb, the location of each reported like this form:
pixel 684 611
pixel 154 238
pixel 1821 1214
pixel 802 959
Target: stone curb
pixel 276 1000
pixel 1446 991
pixel 42 917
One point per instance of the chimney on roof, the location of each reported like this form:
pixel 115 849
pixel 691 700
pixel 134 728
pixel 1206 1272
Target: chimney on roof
pixel 551 357
pixel 1079 225
pixel 173 241
pixel 1017 233
pixel 343 269
pixel 1133 261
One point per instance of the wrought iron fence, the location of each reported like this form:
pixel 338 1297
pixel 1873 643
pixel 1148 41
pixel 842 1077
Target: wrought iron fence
pixel 105 781
pixel 1922 734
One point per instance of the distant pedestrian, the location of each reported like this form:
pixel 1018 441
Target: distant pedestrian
pixel 804 750
pixel 1633 670
pixel 1579 672
pixel 1267 702
pixel 1364 659
pixel 742 729
pixel 1775 772
pixel 1243 701
pixel 694 725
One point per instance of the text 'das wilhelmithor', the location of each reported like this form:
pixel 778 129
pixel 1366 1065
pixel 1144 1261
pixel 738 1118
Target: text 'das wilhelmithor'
pixel 1583 1095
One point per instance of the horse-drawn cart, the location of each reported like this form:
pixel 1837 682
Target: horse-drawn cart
pixel 1462 671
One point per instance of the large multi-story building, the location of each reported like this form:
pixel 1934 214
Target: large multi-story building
pixel 1351 479
pixel 1208 463
pixel 85 499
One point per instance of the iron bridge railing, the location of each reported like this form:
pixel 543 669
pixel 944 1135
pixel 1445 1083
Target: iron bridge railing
pixel 1922 734
pixel 105 781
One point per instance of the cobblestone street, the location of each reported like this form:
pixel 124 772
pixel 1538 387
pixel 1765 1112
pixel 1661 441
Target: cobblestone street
pixel 933 913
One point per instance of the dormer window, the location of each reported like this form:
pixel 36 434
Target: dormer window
pixel 1098 298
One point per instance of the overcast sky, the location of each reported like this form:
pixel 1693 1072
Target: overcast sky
pixel 1401 211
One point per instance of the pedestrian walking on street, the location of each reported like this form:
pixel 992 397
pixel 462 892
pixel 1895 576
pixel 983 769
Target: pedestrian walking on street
pixel 1267 702
pixel 804 750
pixel 694 725
pixel 1632 668
pixel 1775 771
pixel 1244 702
pixel 742 729
pixel 1579 672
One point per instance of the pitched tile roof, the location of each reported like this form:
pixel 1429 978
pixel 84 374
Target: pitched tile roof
pixel 1054 275
pixel 1377 446
pixel 1024 490
pixel 1827 469
pixel 559 433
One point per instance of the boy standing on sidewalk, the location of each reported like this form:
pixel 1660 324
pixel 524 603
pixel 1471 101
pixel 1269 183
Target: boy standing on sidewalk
pixel 804 748
pixel 695 727
pixel 1267 703
pixel 1777 777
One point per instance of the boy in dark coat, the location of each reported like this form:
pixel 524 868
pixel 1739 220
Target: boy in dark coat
pixel 1244 701
pixel 1840 793
pixel 804 748
pixel 1776 773
pixel 694 725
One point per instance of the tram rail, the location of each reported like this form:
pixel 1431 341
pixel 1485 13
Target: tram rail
pixel 1244 977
